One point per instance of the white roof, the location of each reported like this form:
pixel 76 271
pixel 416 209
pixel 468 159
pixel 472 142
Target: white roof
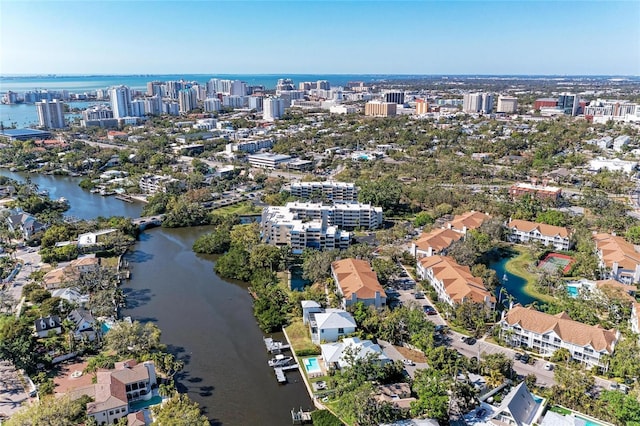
pixel 332 352
pixel 310 304
pixel 336 319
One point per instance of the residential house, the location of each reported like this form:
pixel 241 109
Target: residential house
pixel 547 333
pixel 523 231
pixel 619 259
pixel 454 283
pixel 357 282
pixel 25 224
pixel 92 238
pixel 83 324
pixel 634 321
pixel 398 394
pixel 71 295
pixel 468 221
pixel 48 325
pixel 69 274
pixel 538 191
pixel 437 241
pixel 342 354
pixel 115 389
pixel 309 307
pixel 518 408
pixel 330 325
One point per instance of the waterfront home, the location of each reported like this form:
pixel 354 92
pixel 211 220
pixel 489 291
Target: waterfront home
pixel 83 324
pixel 71 295
pixel 523 231
pixel 25 224
pixel 468 221
pixel 115 389
pixel 545 333
pixel 93 238
pixel 437 241
pixel 619 259
pixel 454 283
pixel 330 325
pixel 351 349
pixel 357 282
pixel 70 273
pixel 48 325
pixel 519 408
pixel 309 307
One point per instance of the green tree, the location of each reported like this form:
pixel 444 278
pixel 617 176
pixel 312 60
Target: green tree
pixel 422 219
pixel 51 411
pixel 316 265
pixel 432 393
pixel 179 411
pixel 385 193
pixel 552 217
pixel 133 338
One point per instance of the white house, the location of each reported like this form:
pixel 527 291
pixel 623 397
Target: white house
pixel 523 231
pixel 309 307
pixel 341 354
pixel 47 325
pixel 83 324
pixel 518 408
pixel 547 333
pixel 91 238
pixel 330 325
pixel 619 259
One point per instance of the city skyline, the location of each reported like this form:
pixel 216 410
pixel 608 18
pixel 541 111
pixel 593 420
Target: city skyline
pixel 357 37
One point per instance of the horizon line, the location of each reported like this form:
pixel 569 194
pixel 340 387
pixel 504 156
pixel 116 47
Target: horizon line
pixel 284 74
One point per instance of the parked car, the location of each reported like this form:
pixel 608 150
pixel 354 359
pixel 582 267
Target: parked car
pixel 517 356
pixel 470 341
pixel 613 386
pixel 429 310
pixel 408 362
pixel 419 295
pixel 524 358
pixel 548 366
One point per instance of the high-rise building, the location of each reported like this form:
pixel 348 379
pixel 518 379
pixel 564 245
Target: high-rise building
pixel 273 108
pixel 305 85
pixel 323 85
pixel 188 100
pixel 256 102
pixel 395 97
pixel 284 84
pixel 569 103
pixel 51 114
pixel 477 102
pixel 507 104
pixel 120 97
pixel 422 106
pixel 154 88
pixel 380 109
pixel 212 105
pixel 238 88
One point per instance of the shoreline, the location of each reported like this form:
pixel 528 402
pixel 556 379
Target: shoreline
pixel 513 267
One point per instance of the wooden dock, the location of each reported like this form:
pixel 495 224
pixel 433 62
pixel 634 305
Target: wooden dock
pixel 300 417
pixel 125 198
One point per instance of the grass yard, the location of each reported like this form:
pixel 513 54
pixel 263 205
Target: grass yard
pixel 518 266
pixel 245 207
pixel 300 339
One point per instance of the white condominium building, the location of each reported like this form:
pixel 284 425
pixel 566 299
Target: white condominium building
pixel 280 227
pixel 331 190
pixel 342 215
pixel 51 114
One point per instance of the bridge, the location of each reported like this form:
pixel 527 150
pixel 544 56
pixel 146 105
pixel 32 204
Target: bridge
pixel 148 221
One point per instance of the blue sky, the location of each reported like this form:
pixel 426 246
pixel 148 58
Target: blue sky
pixel 340 37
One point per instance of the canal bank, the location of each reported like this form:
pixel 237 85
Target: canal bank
pixel 206 321
pixel 515 279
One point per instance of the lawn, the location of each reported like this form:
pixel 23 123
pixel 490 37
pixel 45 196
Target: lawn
pixel 109 262
pixel 245 207
pixel 300 338
pixel 518 266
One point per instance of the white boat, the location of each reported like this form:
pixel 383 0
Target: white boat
pixel 280 361
pixel 63 200
pixel 505 278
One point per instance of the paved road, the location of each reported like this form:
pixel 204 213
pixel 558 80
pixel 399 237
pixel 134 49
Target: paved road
pixel 12 393
pixel 30 262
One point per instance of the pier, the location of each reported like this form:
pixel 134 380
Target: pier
pixel 301 417
pixel 124 198
pixel 280 376
pixel 273 346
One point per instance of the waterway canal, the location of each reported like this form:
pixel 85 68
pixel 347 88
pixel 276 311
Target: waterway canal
pixel 514 284
pixel 205 320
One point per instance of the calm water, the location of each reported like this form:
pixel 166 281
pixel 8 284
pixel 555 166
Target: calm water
pixel 205 320
pixel 84 204
pixel 514 284
pixel 209 323
pixel 24 115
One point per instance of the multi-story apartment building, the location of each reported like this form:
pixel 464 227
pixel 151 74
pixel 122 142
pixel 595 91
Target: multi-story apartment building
pixel 280 227
pixel 569 103
pixel 453 282
pixel 357 282
pixel 342 215
pixel 467 221
pixel 539 191
pixel 507 104
pixel 477 102
pixel 152 184
pixel 619 259
pixel 331 190
pixel 268 160
pixel 422 106
pixel 273 108
pixel 523 231
pixel 545 333
pixel 120 97
pixel 437 241
pixel 395 97
pixel 380 109
pixel 51 114
pixel 187 99
pixel 251 146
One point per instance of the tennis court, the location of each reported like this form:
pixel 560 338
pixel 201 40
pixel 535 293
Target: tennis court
pixel 554 261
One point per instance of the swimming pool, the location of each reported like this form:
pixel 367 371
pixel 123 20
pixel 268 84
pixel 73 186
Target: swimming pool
pixel 312 365
pixel 588 422
pixel 572 290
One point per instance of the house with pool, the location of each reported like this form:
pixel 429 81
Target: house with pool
pixel 342 354
pixel 545 333
pixel 326 325
pixel 619 259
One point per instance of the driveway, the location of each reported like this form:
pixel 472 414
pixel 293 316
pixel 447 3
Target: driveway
pixel 392 353
pixel 12 393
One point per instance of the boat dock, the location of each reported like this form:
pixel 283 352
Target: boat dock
pixel 300 417
pixel 274 346
pixel 282 378
pixel 124 198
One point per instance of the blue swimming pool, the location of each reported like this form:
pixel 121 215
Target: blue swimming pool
pixel 312 365
pixel 572 290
